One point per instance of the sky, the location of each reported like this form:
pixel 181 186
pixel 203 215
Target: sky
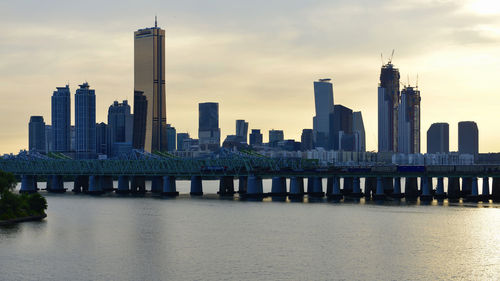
pixel 258 59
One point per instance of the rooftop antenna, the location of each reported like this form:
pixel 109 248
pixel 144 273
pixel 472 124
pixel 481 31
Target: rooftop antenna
pixel 416 86
pixel 156 22
pixel 392 55
pixel 382 58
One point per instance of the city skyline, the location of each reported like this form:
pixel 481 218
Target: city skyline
pixel 352 88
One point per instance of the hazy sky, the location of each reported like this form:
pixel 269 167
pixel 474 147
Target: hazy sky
pixel 258 59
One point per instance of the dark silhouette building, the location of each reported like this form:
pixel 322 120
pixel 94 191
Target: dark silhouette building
pixel 340 128
pixel 120 126
pixel 323 103
pixel 101 133
pixel 275 136
pixel 61 120
pixel 409 121
pixel 180 140
pixel 140 112
pixel 37 134
pixel 171 135
pixel 256 137
pixel 438 138
pixel 85 139
pixel 388 102
pixel 306 140
pixel 242 129
pixel 468 138
pixel 208 126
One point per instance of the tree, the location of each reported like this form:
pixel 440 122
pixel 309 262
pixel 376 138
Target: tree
pixel 37 203
pixel 7 182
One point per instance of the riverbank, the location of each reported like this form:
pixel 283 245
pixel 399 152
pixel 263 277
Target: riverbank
pixel 22 219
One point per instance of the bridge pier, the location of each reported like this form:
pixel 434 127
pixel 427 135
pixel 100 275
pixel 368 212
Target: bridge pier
pixel 411 189
pixel 81 184
pixel 336 193
pixel 123 185
pixel 107 183
pixel 474 195
pixel 495 192
pixel 310 185
pixel 485 195
pixel 397 188
pixel 138 184
pixel 255 188
pixel 425 184
pixel 157 184
pixel 226 186
pixel 28 184
pixel 317 190
pixel 196 186
pixel 388 184
pixel 356 188
pixel 242 184
pixel 329 185
pixel 440 189
pixel 95 185
pixel 380 194
pixel 466 187
pixel 278 187
pixel 348 186
pixel 56 185
pixel 453 189
pixel 169 186
pixel 296 187
pixel 370 187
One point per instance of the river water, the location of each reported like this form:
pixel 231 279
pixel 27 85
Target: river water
pixel 114 237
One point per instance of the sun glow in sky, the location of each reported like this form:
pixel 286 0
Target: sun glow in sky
pixel 258 59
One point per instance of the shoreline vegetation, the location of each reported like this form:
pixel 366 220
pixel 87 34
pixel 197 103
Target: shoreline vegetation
pixel 15 208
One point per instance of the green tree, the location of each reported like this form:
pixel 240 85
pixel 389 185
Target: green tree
pixel 37 203
pixel 7 182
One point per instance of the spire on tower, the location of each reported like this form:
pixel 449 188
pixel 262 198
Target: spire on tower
pixel 156 22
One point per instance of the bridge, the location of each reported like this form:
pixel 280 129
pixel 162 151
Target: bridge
pixel 381 180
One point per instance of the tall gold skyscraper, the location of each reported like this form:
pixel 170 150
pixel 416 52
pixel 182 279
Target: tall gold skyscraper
pixel 149 78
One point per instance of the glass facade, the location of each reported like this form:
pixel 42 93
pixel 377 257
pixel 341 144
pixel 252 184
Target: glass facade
pixel 37 134
pixel 85 131
pixel 61 119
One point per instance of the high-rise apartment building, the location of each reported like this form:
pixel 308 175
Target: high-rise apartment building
pixel 275 136
pixel 48 139
pixel 323 102
pixel 468 138
pixel 120 126
pixel 388 102
pixel 409 121
pixel 256 137
pixel 101 136
pixel 171 135
pixel 180 140
pixel 306 140
pixel 149 78
pixel 37 134
pixel 358 129
pixel 208 126
pixel 438 138
pixel 61 119
pixel 140 116
pixel 85 137
pixel 242 129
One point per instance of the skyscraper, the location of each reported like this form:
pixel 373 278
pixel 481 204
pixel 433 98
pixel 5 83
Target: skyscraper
pixel 388 101
pixel 306 140
pixel 85 138
pixel 275 136
pixel 242 129
pixel 120 126
pixel 208 126
pixel 341 128
pixel 180 140
pixel 256 137
pixel 48 139
pixel 140 116
pixel 171 135
pixel 101 135
pixel 468 138
pixel 61 119
pixel 149 78
pixel 438 138
pixel 323 101
pixel 358 129
pixel 36 134
pixel 409 121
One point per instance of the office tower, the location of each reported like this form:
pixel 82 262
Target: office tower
pixel 208 126
pixel 341 127
pixel 438 138
pixel 140 115
pixel 358 128
pixel 72 138
pixel 48 138
pixel 468 138
pixel 409 121
pixel 85 139
pixel 171 135
pixel 306 140
pixel 275 136
pixel 36 134
pixel 256 137
pixel 120 127
pixel 101 135
pixel 61 119
pixel 242 129
pixel 388 101
pixel 180 140
pixel 323 101
pixel 149 78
